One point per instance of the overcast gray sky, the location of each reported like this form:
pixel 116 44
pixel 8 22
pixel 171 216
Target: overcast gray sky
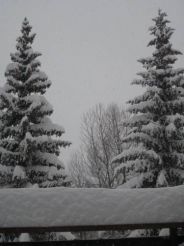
pixel 90 49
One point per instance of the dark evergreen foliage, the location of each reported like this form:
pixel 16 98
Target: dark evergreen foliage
pixel 156 138
pixel 30 142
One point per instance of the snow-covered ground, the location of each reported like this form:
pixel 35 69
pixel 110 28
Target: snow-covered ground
pixel 59 207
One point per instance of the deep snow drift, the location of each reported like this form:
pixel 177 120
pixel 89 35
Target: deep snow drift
pixel 59 207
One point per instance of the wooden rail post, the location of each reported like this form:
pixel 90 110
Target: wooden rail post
pixel 173 236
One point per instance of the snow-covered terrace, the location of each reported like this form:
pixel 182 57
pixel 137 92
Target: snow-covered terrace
pixel 70 209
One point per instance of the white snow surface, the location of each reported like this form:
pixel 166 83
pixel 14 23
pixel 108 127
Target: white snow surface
pixel 60 207
pixel 66 235
pixel 164 232
pixel 47 125
pixel 24 237
pixel 161 180
pixel 19 173
pixel 137 233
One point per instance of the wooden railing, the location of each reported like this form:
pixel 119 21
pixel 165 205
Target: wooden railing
pixel 54 210
pixel 148 241
pixel 173 239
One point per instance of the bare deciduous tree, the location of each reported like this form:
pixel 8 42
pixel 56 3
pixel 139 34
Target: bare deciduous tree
pixel 102 129
pixel 79 171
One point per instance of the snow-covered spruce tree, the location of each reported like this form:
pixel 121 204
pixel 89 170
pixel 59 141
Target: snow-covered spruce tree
pixel 30 143
pixel 155 157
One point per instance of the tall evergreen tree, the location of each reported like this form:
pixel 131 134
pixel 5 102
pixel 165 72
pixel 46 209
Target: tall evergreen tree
pixel 156 138
pixel 29 141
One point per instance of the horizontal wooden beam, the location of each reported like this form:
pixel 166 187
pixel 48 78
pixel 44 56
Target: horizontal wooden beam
pixel 143 241
pixel 92 227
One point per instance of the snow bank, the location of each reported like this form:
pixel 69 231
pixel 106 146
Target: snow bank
pixel 66 235
pixel 164 232
pixel 24 237
pixel 60 207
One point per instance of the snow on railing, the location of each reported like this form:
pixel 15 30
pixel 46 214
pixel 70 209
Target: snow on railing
pixel 72 209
